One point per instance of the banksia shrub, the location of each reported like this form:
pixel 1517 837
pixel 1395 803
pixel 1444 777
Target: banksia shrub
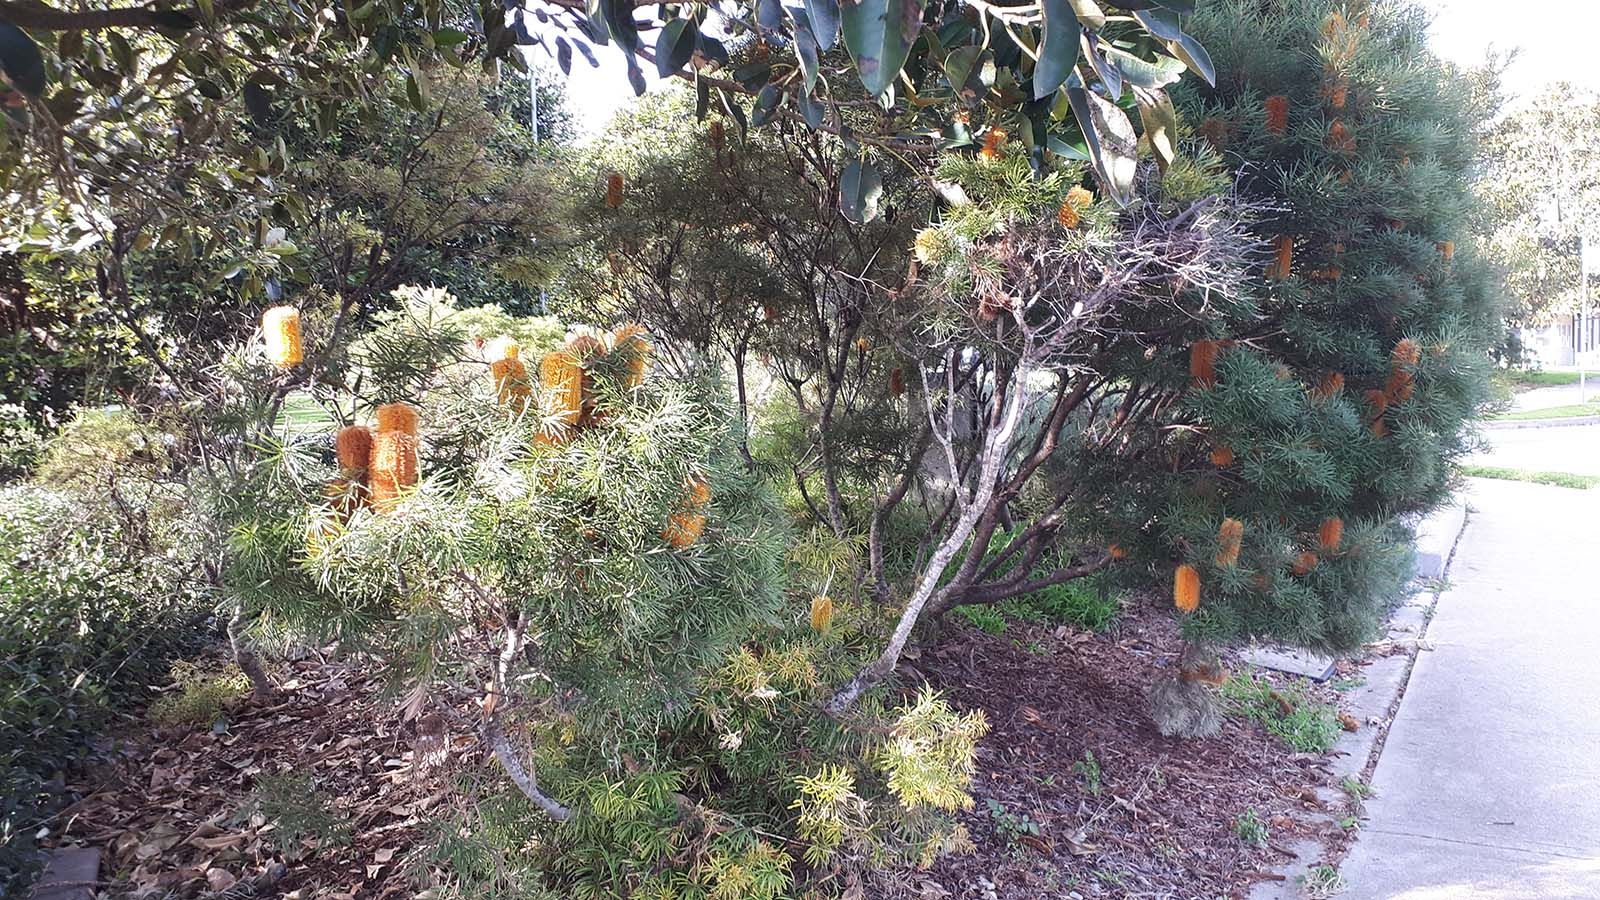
pixel 280 329
pixel 353 446
pixel 1186 588
pixel 561 376
pixel 1230 537
pixel 821 612
pixel 613 190
pixel 1277 107
pixel 1203 362
pixel 1330 533
pixel 392 468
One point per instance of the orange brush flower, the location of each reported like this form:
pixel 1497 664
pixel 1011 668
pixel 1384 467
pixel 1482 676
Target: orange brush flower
pixel 1203 362
pixel 821 612
pixel 683 529
pixel 1186 588
pixel 1329 385
pixel 280 329
pixel 1399 387
pixel 613 190
pixel 994 143
pixel 1277 107
pixel 392 466
pixel 1283 262
pixel 1330 533
pixel 353 444
pixel 1340 140
pixel 631 343
pixel 561 376
pixel 1304 563
pixel 897 382
pixel 1117 551
pixel 1407 353
pixel 1230 537
pixel 1447 249
pixel 1222 455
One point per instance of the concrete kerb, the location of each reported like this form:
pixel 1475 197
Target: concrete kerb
pixel 1511 424
pixel 1375 702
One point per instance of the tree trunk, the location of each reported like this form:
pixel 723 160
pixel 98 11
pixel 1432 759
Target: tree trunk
pixel 245 656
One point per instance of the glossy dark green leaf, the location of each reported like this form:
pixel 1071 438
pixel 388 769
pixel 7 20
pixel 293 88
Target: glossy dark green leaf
pixel 675 46
pixel 810 109
pixel 636 77
pixel 824 18
pixel 879 35
pixel 860 192
pixel 1194 56
pixel 257 101
pixel 702 99
pixel 731 106
pixel 962 65
pixel 564 55
pixel 769 15
pixel 806 52
pixel 713 49
pixel 1107 70
pixel 174 19
pixel 1058 47
pixel 1159 22
pixel 1151 74
pixel 620 24
pixel 21 60
pixel 766 105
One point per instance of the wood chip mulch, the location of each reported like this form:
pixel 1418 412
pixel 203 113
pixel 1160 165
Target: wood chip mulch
pixel 1162 823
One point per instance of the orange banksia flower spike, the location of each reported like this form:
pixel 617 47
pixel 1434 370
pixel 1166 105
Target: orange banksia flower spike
pixel 1117 551
pixel 510 377
pixel 1378 400
pixel 1304 563
pixel 897 382
pixel 1277 107
pixel 561 376
pixel 1330 533
pixel 994 143
pixel 631 341
pixel 1067 215
pixel 683 529
pixel 1203 362
pixel 1222 455
pixel 821 612
pixel 1215 131
pixel 280 329
pixel 1399 387
pixel 1077 200
pixel 1328 386
pixel 1338 92
pixel 1186 588
pixel 1340 140
pixel 1283 262
pixel 1407 353
pixel 1230 537
pixel 1447 249
pixel 392 467
pixel 614 190
pixel 353 445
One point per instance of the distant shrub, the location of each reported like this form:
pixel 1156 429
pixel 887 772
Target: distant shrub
pixel 201 696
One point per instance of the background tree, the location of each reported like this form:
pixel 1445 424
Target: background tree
pixel 1541 176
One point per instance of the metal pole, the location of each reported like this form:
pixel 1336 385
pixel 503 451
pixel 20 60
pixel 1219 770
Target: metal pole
pixel 533 98
pixel 1579 333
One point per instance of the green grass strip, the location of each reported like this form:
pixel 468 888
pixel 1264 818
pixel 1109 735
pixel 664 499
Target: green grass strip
pixel 1552 412
pixel 1559 479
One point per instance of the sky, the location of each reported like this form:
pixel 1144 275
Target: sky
pixel 1555 40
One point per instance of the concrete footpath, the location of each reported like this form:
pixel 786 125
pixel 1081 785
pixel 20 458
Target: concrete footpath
pixel 1489 783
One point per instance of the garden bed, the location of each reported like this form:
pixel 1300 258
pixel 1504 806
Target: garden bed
pixel 320 793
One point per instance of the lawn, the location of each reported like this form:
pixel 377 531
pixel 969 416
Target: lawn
pixel 1559 479
pixel 1570 411
pixel 1523 379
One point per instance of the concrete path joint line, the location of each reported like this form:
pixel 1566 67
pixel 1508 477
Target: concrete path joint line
pixel 1542 850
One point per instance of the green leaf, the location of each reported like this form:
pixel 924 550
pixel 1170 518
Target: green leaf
pixel 1194 56
pixel 1088 13
pixel 805 50
pixel 879 35
pixel 20 60
pixel 257 100
pixel 824 18
pixel 1152 74
pixel 766 106
pixel 675 46
pixel 619 22
pixel 1058 48
pixel 860 191
pixel 1160 123
pixel 1161 23
pixel 1111 140
pixel 961 64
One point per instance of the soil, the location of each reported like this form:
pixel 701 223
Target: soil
pixel 1150 817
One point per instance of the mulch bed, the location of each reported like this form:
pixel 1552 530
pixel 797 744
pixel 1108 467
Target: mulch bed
pixel 167 807
pixel 1162 822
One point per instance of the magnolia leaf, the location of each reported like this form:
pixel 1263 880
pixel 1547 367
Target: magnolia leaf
pixel 1186 48
pixel 1089 13
pixel 879 35
pixel 20 60
pixel 1160 123
pixel 1159 22
pixel 619 21
pixel 806 51
pixel 824 18
pixel 1111 141
pixel 1058 49
pixel 766 106
pixel 1106 68
pixel 675 46
pixel 1152 74
pixel 860 190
